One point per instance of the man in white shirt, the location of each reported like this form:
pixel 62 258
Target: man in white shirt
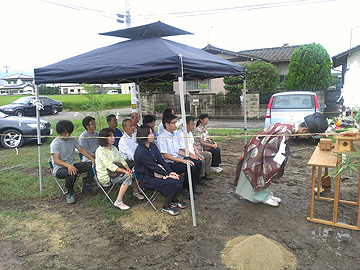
pixel 128 144
pixel 169 148
pixel 194 154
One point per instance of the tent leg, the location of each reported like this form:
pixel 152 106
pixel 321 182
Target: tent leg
pixel 38 132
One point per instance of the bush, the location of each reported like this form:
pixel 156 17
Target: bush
pixel 160 107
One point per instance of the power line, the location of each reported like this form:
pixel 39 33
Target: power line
pixel 239 8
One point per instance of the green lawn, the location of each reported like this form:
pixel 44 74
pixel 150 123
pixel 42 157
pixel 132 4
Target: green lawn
pixel 75 102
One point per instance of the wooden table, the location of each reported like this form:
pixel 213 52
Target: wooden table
pixel 326 160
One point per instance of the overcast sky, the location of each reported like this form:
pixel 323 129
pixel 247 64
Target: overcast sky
pixel 37 33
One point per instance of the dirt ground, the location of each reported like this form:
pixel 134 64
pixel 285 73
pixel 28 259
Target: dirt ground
pixel 78 237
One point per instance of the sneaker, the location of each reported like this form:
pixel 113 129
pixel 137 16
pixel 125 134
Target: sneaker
pixel 69 197
pixel 276 199
pixel 218 169
pixel 121 205
pixel 179 204
pixel 170 210
pixel 271 202
pixel 138 195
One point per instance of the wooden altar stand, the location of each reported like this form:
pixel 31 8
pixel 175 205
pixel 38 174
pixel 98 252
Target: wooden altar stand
pixel 326 160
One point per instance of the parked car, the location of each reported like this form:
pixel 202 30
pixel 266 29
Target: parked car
pixel 15 130
pixel 291 107
pixel 112 92
pixel 24 106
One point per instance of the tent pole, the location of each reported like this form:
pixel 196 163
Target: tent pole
pixel 187 157
pixel 139 100
pixel 38 132
pixel 245 121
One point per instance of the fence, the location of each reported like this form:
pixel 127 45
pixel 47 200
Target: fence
pixel 227 99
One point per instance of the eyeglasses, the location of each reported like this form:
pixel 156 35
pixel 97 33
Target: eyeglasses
pixel 173 122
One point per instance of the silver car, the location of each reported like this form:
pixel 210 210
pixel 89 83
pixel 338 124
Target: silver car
pixel 291 107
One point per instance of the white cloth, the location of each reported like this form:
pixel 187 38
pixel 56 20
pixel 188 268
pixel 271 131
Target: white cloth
pixel 127 146
pixel 161 128
pixel 280 155
pixel 181 142
pixel 168 144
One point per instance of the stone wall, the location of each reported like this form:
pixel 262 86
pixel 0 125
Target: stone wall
pixel 252 106
pixel 202 103
pixel 149 101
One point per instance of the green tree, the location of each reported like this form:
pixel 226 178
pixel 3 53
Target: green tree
pixel 262 77
pixel 156 87
pixel 49 90
pixel 233 85
pixel 309 69
pixel 95 102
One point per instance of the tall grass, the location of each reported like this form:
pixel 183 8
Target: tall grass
pixel 77 102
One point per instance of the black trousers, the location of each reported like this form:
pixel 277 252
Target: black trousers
pixel 180 168
pixel 82 167
pixel 171 197
pixel 216 157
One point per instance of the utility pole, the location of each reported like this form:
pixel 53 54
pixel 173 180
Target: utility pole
pixel 127 9
pixel 351 30
pixel 6 70
pixel 126 16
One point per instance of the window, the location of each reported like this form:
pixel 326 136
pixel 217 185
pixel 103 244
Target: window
pixel 197 85
pixel 72 91
pixel 282 78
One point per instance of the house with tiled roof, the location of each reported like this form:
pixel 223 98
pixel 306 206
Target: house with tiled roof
pixel 345 60
pixel 278 56
pixel 17 84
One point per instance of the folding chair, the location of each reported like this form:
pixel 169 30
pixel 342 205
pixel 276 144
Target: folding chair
pixel 153 196
pixel 62 185
pixel 101 186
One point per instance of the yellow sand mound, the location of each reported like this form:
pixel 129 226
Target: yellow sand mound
pixel 256 252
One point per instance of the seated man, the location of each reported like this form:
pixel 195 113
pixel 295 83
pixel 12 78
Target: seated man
pixel 172 154
pixel 88 139
pixel 128 144
pixel 149 120
pixel 135 118
pixel 113 124
pixel 62 150
pixel 194 154
pixel 127 147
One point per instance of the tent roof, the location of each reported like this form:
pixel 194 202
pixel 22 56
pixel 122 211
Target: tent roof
pixel 157 29
pixel 149 59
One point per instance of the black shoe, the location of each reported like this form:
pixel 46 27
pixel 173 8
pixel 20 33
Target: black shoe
pixel 197 191
pixel 206 177
pixel 202 182
pixel 90 188
pixel 185 193
pixel 69 196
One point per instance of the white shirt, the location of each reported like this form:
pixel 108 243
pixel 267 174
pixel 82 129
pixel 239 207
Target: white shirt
pixel 168 144
pixel 181 142
pixel 127 146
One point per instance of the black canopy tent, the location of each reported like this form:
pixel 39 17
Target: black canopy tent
pixel 145 58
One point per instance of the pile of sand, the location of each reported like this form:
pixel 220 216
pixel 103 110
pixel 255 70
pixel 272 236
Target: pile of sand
pixel 256 252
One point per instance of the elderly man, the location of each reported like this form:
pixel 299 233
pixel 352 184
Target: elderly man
pixel 128 144
pixel 265 157
pixel 135 118
pixel 127 147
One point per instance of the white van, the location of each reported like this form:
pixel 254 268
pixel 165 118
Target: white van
pixel 291 107
pixel 112 92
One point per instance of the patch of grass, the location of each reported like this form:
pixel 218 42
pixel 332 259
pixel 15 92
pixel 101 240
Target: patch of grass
pixel 76 102
pixel 13 223
pixel 223 134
